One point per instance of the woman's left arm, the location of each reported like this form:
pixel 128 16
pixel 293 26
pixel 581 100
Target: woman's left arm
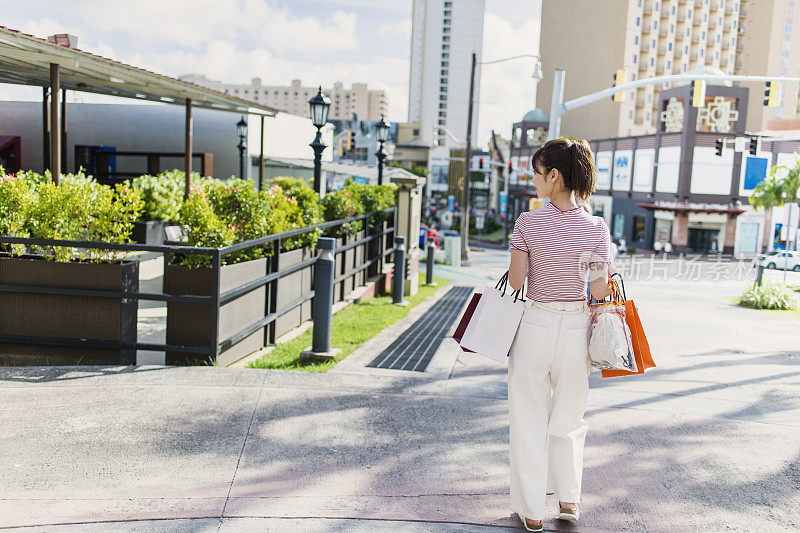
pixel 518 268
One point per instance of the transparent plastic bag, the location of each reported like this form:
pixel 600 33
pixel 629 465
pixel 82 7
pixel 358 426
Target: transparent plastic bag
pixel 610 341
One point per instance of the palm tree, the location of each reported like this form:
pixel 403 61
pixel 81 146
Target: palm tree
pixel 778 190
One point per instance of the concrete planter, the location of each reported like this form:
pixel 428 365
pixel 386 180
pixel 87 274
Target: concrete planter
pixel 290 289
pixel 67 317
pixel 190 324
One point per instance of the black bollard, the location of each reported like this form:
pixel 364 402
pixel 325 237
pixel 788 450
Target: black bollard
pixel 399 276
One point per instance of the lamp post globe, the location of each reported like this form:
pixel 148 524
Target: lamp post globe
pixel 382 131
pixel 241 131
pixel 318 108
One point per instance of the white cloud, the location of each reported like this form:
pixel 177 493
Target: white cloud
pixel 507 90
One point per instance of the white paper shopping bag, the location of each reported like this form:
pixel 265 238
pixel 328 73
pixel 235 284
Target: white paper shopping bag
pixel 494 324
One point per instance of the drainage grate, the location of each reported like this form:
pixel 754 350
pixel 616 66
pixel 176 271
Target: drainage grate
pixel 414 348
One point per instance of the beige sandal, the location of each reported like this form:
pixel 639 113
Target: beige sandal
pixel 567 513
pixel 538 524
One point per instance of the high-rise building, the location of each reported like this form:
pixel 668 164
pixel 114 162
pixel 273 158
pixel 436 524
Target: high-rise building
pixel 367 104
pixel 444 33
pixel 592 39
pixel 767 45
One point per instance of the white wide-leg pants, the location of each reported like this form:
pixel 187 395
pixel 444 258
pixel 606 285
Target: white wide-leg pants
pixel 548 389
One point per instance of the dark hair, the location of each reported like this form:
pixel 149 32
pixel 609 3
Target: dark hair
pixel 573 159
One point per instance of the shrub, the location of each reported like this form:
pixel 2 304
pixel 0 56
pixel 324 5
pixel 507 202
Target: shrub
pixel 310 210
pixel 341 204
pixel 162 194
pixel 203 227
pixel 16 197
pixel 768 296
pixel 374 198
pixel 77 209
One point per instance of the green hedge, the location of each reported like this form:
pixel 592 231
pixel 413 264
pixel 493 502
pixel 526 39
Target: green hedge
pixel 217 213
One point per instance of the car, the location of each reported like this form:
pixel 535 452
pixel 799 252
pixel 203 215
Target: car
pixel 450 233
pixel 782 259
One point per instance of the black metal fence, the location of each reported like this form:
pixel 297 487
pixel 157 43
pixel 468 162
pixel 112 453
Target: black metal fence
pixel 220 313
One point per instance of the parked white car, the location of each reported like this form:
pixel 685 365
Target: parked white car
pixel 782 260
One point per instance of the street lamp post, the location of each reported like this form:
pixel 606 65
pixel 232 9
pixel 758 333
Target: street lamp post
pixel 241 130
pixel 318 108
pixel 537 76
pixel 382 130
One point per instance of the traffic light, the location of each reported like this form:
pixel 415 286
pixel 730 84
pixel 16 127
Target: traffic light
pixel 720 145
pixel 510 167
pixel 480 163
pixel 755 145
pixel 698 93
pixel 619 78
pixel 341 147
pixel 771 93
pixel 349 140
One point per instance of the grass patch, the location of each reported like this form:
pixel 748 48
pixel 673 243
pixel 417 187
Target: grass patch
pixel 352 326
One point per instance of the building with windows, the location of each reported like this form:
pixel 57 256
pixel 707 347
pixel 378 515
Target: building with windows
pixel 444 33
pixel 359 100
pixel 671 186
pixel 648 38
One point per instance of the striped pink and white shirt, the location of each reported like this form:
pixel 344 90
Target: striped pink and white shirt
pixel 560 245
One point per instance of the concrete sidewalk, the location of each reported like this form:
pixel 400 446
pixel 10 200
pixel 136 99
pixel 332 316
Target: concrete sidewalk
pixel 708 441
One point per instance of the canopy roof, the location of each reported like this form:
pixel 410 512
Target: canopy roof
pixel 25 60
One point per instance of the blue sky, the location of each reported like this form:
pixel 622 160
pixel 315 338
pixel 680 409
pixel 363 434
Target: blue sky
pixel 316 41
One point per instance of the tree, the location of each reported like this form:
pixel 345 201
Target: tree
pixel 779 188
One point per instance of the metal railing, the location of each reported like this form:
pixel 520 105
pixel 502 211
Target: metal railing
pixel 376 241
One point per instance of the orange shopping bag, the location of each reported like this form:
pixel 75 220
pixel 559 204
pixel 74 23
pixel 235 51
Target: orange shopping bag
pixel 641 350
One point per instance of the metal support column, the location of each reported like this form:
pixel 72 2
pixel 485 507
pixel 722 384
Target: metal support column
pixel 188 148
pixel 261 159
pixel 55 130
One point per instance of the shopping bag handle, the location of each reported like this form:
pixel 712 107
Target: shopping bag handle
pixel 503 284
pixel 617 295
pixel 621 284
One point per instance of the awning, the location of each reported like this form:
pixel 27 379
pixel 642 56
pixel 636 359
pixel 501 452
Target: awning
pixel 692 208
pixel 26 59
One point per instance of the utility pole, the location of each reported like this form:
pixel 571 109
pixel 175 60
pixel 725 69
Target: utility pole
pixel 467 157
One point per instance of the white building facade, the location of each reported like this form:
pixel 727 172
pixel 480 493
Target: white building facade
pixel 444 34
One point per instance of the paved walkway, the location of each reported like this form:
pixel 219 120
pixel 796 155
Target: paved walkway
pixel 709 441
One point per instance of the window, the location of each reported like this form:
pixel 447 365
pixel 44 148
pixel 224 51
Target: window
pixel 446 38
pixel 443 81
pixel 634 59
pixel 686 49
pixel 703 34
pixel 447 21
pixel 652 61
pixel 445 63
pixel 638 229
pixel 416 132
pixel 442 97
pixel 442 122
pixel 445 30
pixel 636 39
pixel 672 28
pixel 442 105
pixel 670 47
pixel 669 64
pixel 673 10
pixel 637 21
pixel 701 52
pixel 444 72
pixel 442 113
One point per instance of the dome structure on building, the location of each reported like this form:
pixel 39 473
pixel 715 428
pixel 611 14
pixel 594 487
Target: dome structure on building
pixel 535 115
pixel 708 69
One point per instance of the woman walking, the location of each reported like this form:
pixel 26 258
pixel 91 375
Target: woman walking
pixel 555 247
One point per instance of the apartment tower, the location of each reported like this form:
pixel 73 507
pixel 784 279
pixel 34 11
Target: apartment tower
pixel 368 104
pixel 592 39
pixel 444 33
